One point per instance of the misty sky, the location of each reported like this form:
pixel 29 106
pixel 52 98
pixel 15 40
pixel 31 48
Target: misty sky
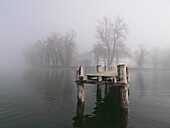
pixel 25 21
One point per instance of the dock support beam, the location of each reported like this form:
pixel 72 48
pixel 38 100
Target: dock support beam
pixel 124 96
pixel 122 73
pixel 99 88
pixel 80 93
pixel 124 90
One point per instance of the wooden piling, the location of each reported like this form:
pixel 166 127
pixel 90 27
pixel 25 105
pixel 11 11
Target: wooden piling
pixel 105 68
pixel 124 96
pixel 80 93
pixel 122 75
pixel 124 90
pixel 112 68
pixel 99 68
pixel 81 70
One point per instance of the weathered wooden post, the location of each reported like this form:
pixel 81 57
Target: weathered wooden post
pixel 105 68
pixel 122 74
pixel 122 77
pixel 99 68
pixel 112 68
pixel 80 86
pixel 80 92
pixel 124 96
pixel 81 70
pixel 98 94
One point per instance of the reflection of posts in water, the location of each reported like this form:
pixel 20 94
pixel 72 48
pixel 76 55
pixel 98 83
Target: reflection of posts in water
pixel 124 117
pixel 80 92
pixel 98 94
pixel 80 109
pixel 80 118
pixel 124 96
pixel 105 90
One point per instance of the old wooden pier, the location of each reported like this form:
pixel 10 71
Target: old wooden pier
pixel 109 76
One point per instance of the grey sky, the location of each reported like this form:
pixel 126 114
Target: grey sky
pixel 25 21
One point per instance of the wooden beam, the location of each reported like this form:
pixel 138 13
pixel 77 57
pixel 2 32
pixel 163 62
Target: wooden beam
pixel 80 93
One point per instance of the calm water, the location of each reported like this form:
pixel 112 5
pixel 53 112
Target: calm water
pixel 46 98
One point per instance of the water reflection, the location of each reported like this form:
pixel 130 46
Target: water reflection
pixel 106 114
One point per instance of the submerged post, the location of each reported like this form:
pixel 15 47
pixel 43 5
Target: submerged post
pixel 124 89
pixel 80 93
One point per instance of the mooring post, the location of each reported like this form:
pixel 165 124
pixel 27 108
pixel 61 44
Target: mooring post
pixel 81 70
pixel 122 74
pixel 99 68
pixel 112 68
pixel 124 96
pixel 80 92
pixel 105 68
pixel 109 68
pixel 124 89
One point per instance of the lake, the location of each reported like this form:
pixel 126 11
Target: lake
pixel 46 98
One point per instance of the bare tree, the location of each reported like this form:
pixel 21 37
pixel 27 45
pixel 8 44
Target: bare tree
pixel 122 51
pixel 110 33
pixel 140 55
pixel 100 52
pixel 56 49
pixel 69 44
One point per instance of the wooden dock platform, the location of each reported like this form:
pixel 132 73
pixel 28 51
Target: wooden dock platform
pixel 109 76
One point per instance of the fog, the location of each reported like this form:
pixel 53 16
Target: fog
pixel 23 22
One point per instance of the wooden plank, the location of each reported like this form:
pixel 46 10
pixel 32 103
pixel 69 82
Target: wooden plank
pixel 99 82
pixel 104 74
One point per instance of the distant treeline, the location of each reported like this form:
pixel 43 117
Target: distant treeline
pixel 110 49
pixel 56 50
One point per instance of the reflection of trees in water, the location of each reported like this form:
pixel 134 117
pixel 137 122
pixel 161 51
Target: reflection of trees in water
pixel 139 80
pixel 106 114
pixel 50 82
